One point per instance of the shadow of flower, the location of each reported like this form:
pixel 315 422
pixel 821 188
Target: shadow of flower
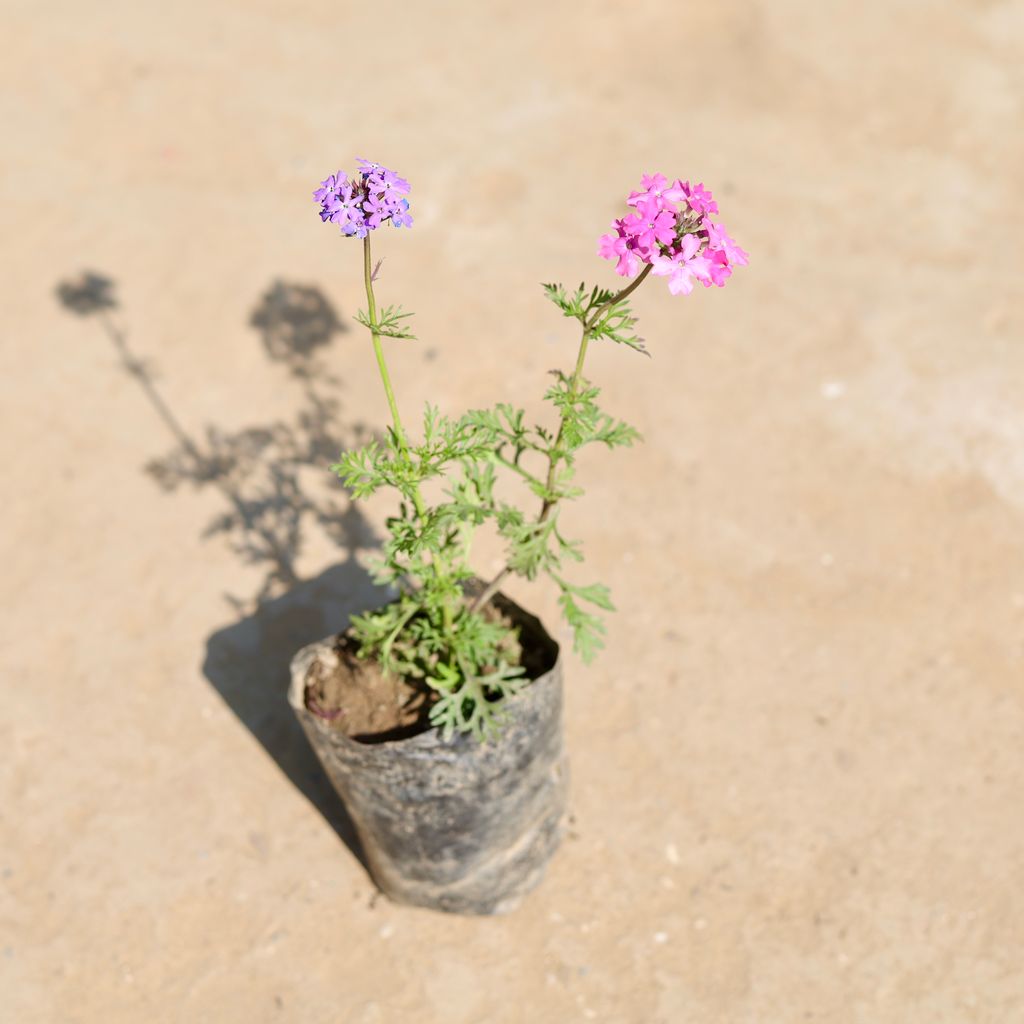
pixel 269 510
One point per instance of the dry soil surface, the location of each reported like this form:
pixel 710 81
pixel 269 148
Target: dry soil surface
pixel 798 769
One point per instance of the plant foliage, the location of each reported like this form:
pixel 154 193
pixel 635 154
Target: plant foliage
pixel 440 631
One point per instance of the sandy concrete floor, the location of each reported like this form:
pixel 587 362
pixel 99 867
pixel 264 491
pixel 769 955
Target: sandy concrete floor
pixel 798 769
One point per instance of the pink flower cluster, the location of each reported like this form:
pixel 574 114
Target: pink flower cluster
pixel 671 229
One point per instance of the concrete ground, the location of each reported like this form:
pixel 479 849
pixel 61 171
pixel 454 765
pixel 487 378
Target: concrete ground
pixel 798 769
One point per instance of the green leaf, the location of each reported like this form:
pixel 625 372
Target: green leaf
pixel 570 305
pixel 595 593
pixel 474 704
pixel 588 630
pixel 388 323
pixel 616 323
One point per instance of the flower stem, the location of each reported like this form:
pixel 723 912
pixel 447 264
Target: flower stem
pixel 378 348
pixel 619 296
pixel 440 568
pixel 555 453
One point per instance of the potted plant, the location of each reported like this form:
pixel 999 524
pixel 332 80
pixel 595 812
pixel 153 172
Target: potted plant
pixel 438 716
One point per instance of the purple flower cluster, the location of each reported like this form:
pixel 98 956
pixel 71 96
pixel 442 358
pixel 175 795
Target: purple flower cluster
pixel 671 229
pixel 360 206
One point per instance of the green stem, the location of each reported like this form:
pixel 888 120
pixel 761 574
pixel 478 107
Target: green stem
pixel 619 296
pixel 509 464
pixel 440 569
pixel 378 349
pixel 555 453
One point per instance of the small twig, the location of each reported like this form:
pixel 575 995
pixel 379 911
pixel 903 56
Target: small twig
pixel 489 591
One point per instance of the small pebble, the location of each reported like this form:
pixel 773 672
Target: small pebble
pixel 661 938
pixel 833 389
pixel 672 854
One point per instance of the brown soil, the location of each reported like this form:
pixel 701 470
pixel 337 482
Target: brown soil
pixel 362 701
pixel 357 698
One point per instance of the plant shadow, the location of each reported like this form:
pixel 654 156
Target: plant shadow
pixel 248 664
pixel 269 509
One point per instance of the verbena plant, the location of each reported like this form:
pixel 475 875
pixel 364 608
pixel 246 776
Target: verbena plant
pixel 439 631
